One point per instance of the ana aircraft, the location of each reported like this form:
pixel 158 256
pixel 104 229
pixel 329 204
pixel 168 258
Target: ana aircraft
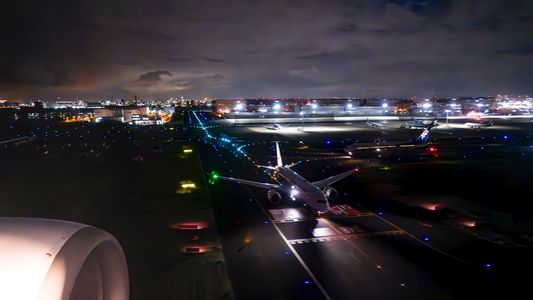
pixel 380 144
pixel 315 194
pixel 419 124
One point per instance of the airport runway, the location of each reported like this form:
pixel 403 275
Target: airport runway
pixel 283 252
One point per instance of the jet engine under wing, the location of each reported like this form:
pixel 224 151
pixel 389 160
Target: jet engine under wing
pixel 331 180
pixel 253 183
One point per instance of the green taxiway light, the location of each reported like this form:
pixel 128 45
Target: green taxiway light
pixel 213 177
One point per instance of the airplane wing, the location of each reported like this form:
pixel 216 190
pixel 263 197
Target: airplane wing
pixel 331 180
pixel 252 183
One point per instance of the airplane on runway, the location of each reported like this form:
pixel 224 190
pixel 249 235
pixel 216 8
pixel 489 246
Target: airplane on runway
pixel 380 144
pixel 373 124
pixel 315 194
pixel 419 124
pixel 275 126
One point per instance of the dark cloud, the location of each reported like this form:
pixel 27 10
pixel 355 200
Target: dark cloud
pixel 265 48
pixel 215 60
pixel 154 76
pixel 215 77
pixel 178 59
pixel 348 28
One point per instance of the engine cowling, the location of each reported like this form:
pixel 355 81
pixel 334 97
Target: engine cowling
pixel 331 193
pixel 273 197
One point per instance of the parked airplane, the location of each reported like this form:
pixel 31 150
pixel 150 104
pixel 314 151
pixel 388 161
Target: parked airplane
pixel 419 124
pixel 380 144
pixel 314 194
pixel 275 126
pixel 373 124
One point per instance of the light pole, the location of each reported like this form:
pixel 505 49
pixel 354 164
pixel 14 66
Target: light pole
pixel 302 114
pixel 447 111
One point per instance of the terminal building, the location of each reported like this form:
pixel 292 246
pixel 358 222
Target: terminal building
pixel 326 106
pixel 239 108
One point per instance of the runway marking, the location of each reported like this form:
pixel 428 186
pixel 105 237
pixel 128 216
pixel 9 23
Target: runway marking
pixel 345 237
pixel 328 217
pixel 289 245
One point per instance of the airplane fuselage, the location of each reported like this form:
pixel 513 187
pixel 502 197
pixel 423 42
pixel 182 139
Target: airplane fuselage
pixel 300 188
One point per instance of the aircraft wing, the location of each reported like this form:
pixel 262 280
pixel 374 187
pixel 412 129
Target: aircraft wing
pixel 252 183
pixel 331 180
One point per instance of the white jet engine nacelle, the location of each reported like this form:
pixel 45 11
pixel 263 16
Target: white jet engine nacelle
pixel 273 197
pixel 49 259
pixel 331 193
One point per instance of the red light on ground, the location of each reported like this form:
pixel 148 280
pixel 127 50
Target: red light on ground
pixel 432 149
pixel 196 249
pixel 469 223
pixel 432 206
pixel 189 226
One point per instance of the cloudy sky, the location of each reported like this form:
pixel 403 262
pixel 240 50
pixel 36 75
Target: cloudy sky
pixel 265 48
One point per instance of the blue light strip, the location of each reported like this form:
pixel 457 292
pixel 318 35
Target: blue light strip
pixel 224 139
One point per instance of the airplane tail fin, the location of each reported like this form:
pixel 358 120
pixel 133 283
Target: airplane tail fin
pixel 424 136
pixel 278 156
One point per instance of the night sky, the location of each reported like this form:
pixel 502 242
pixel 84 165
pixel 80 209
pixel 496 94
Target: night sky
pixel 265 48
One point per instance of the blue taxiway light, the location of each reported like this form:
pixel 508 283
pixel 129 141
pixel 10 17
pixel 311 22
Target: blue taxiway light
pixel 426 238
pixel 307 282
pixel 380 213
pixel 505 137
pixel 286 253
pixel 488 266
pixel 266 222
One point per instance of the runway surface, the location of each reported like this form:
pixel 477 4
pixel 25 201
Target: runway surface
pixel 284 252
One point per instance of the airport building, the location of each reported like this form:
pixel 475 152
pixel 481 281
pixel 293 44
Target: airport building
pixel 122 113
pixel 328 106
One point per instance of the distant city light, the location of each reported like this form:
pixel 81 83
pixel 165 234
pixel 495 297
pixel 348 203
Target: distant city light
pixel 385 105
pixel 276 106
